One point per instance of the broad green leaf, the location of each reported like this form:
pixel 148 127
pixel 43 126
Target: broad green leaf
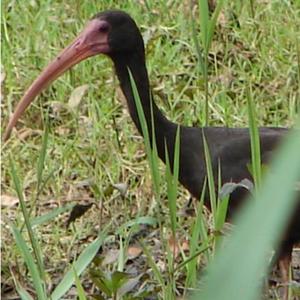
pixel 51 215
pixel 118 279
pixel 80 265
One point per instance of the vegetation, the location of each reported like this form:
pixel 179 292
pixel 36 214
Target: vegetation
pixel 77 144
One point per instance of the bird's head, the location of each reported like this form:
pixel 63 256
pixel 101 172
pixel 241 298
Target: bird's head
pixel 120 30
pixel 112 32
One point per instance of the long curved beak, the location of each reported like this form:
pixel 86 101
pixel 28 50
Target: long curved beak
pixel 89 42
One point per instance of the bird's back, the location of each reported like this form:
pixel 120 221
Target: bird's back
pixel 230 149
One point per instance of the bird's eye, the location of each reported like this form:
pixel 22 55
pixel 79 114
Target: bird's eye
pixel 104 27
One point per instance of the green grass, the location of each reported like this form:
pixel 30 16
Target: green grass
pixel 97 142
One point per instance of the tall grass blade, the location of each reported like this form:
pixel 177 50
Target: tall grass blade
pixel 170 193
pixel 154 158
pixel 210 179
pixel 151 153
pixel 255 142
pixel 153 266
pixel 176 163
pixel 172 181
pixel 204 22
pixel 191 258
pixel 199 233
pixel 42 157
pixel 204 25
pixel 141 114
pixel 207 26
pixel 221 212
pixel 34 243
pixel 32 267
pixel 222 203
pixel 172 190
pixel 218 208
pixel 199 52
pixel 213 22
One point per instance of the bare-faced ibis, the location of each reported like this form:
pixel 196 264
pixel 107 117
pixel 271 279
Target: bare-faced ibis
pixel 115 34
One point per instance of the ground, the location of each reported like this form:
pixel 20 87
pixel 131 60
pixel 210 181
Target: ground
pixel 94 155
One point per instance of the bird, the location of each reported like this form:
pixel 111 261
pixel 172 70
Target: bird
pixel 115 34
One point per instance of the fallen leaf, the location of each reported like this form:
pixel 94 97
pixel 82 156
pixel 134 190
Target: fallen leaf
pixel 173 244
pixel 110 257
pixel 185 245
pixel 62 130
pixel 129 285
pixel 134 252
pixel 122 188
pixel 178 246
pixel 86 183
pixel 77 95
pixel 9 201
pixel 23 134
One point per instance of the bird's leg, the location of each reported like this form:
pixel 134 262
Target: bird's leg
pixel 284 264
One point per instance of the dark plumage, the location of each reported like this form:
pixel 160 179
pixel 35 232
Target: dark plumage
pixel 115 34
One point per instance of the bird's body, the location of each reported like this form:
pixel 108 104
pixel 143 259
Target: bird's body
pixel 115 34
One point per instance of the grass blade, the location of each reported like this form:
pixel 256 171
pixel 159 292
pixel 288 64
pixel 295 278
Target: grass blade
pixel 204 22
pixel 138 221
pixel 79 287
pixel 172 181
pixel 210 180
pixel 42 157
pixel 80 265
pixel 199 233
pixel 255 143
pixel 151 152
pixel 51 215
pixel 32 267
pixel 21 291
pixel 207 27
pixel 197 45
pixel 34 243
pixel 213 22
pixel 153 266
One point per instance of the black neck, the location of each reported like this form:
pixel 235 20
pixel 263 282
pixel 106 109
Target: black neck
pixel 164 129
